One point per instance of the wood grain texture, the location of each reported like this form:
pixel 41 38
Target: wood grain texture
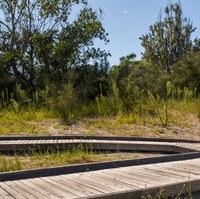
pixel 126 182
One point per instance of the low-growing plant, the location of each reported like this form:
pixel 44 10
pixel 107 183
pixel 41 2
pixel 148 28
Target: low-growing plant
pixel 49 158
pixel 10 164
pixel 65 103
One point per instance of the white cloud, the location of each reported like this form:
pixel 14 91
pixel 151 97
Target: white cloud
pixel 125 11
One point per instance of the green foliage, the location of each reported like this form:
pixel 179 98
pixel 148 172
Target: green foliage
pixel 39 46
pixel 65 102
pixel 186 72
pixel 168 39
pixel 155 101
pixel 198 108
pixel 11 164
pixel 139 74
pixel 18 120
pixel 62 53
pixel 54 66
pixel 122 70
pixel 168 94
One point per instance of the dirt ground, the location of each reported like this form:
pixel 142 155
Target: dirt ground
pixel 188 128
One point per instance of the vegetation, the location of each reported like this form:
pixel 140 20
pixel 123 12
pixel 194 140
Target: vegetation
pixel 169 38
pixel 25 122
pixel 51 69
pixel 57 158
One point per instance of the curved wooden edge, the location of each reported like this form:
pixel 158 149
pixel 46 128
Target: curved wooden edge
pixel 95 146
pixel 52 171
pixel 98 138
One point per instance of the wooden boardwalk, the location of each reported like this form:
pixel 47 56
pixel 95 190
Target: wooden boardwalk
pixel 178 173
pixel 109 145
pixel 127 182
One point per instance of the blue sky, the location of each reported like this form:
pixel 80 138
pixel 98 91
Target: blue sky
pixel 127 20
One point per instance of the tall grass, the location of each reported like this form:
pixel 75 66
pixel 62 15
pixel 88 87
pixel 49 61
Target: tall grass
pixel 198 107
pixel 134 104
pixel 48 158
pixel 35 159
pixel 10 164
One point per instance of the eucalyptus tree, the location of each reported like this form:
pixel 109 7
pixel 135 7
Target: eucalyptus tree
pixel 38 39
pixel 69 55
pixel 168 39
pixel 71 47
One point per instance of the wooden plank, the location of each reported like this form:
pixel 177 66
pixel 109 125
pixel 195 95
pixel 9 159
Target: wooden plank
pixel 141 178
pixel 31 190
pixel 11 191
pixel 108 182
pixel 52 188
pixel 81 189
pixel 186 172
pixel 165 171
pixel 187 165
pixel 107 144
pixel 85 181
pixel 31 183
pixel 154 176
pixel 172 166
pixel 111 181
pixel 19 189
pixel 138 181
pixel 194 169
pixel 58 183
pixel 4 194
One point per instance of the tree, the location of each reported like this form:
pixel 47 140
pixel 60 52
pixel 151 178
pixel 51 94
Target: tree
pixel 186 72
pixel 123 69
pixel 72 47
pixel 20 20
pixel 68 56
pixel 168 39
pixel 196 45
pixel 37 40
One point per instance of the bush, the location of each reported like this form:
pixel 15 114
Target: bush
pixel 186 72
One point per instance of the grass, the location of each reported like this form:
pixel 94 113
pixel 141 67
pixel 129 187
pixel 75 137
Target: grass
pixel 57 158
pixel 137 114
pixel 182 116
pixel 10 164
pixel 28 122
pixel 179 113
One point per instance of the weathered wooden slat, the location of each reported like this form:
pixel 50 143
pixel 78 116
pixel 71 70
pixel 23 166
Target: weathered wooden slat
pixel 11 191
pixel 20 190
pixel 109 183
pixel 4 194
pixel 64 187
pixel 35 186
pixel 34 192
pixel 89 185
pixel 78 188
pixel 49 187
pixel 118 183
pixel 125 182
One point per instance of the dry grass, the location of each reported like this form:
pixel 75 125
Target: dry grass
pixel 43 160
pixel 27 122
pixel 183 122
